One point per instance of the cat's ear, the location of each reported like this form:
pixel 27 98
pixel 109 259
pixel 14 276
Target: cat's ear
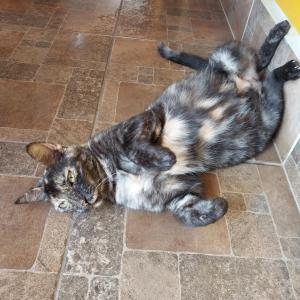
pixel 35 194
pixel 44 152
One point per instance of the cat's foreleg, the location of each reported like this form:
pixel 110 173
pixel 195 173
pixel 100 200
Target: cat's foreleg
pixel 193 210
pixel 140 136
pixel 182 58
pixel 267 50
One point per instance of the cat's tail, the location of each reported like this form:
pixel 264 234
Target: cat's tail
pixel 182 58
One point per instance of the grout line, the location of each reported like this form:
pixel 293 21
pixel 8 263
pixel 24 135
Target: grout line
pixel 291 149
pixel 179 275
pixel 226 221
pixel 206 254
pixel 106 66
pixel 291 187
pixel 248 18
pixel 61 272
pixel 220 1
pixel 123 251
pixel 16 175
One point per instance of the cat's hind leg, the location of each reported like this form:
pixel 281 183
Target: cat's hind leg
pixel 272 94
pixel 192 210
pixel 182 58
pixel 268 48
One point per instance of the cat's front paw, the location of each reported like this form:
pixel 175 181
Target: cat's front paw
pixel 289 71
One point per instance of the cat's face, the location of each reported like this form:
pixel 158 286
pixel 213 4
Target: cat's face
pixel 73 180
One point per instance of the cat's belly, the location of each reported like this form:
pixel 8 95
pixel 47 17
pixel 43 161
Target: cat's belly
pixel 135 191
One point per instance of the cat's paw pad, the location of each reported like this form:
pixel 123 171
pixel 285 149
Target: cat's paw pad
pixel 279 31
pixel 291 70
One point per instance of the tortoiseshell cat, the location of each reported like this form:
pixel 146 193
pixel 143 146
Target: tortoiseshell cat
pixel 219 116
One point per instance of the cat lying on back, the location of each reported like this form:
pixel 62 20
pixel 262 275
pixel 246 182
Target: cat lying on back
pixel 221 115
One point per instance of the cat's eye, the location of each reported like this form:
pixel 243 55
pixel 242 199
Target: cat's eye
pixel 71 177
pixel 63 205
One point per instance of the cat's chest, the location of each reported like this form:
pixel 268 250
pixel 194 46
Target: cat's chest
pixel 132 191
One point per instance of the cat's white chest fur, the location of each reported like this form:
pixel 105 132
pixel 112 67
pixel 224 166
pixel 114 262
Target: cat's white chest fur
pixel 132 191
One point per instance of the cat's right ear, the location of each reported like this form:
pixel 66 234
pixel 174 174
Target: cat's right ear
pixel 35 194
pixel 44 152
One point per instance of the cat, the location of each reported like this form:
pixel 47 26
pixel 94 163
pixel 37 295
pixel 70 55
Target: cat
pixel 221 115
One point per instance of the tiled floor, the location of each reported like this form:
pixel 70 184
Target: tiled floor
pixel 72 67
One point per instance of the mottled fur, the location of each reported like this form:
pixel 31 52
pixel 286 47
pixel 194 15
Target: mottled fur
pixel 219 116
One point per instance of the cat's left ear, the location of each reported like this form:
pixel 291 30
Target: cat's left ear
pixel 35 194
pixel 46 153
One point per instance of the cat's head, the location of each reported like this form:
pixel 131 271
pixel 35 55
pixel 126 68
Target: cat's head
pixel 74 180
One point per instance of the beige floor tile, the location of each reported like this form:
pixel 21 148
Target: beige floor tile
pixel 149 276
pixel 73 287
pixel 280 200
pixel 291 247
pixel 252 235
pixel 206 277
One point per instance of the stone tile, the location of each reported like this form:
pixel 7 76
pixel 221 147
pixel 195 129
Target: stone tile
pixel 121 72
pixel 30 54
pixel 14 159
pixel 294 271
pixel 269 155
pixel 21 225
pixel 37 113
pixel 15 5
pixel 143 27
pixel 256 203
pixel 166 77
pixel 17 71
pixel 149 275
pixel 137 53
pixel 73 287
pixel 27 285
pixel 81 96
pixel 27 19
pixel 40 35
pixel 70 132
pixel 235 201
pixel 103 288
pixel 53 243
pixel 211 31
pixel 21 135
pixel 108 104
pixel 291 247
pixel 242 178
pixel 9 41
pixel 263 279
pixel 134 98
pixel 79 49
pixel 143 8
pixel 96 240
pixel 206 277
pixel 162 232
pixel 78 21
pixel 280 200
pixel 252 235
pixel 54 74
